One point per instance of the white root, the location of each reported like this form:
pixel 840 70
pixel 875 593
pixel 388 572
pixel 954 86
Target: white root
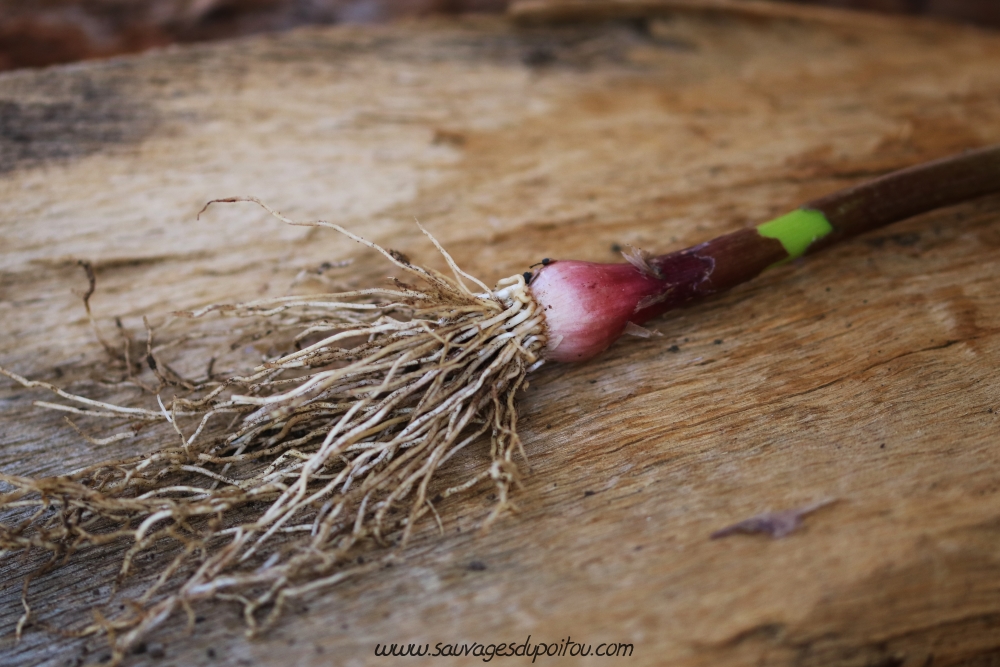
pixel 330 442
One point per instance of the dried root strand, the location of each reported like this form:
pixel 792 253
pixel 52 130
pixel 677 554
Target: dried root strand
pixel 325 444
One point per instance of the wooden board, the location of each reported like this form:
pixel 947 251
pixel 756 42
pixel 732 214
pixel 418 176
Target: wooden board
pixel 869 374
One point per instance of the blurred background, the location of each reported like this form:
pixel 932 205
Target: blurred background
pixel 37 33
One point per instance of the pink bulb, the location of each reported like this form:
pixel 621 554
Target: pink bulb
pixel 587 305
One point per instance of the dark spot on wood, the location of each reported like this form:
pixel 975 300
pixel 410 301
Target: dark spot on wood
pixel 59 115
pixel 904 240
pixel 639 25
pixel 587 494
pixel 673 348
pixel 889 661
pixel 448 137
pixel 538 56
pixel 210 653
pixel 717 341
pixel 477 566
pixel 616 248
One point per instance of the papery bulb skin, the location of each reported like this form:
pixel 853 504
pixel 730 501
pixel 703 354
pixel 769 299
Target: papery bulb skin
pixel 587 305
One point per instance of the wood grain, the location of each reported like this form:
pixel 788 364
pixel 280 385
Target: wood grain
pixel 869 374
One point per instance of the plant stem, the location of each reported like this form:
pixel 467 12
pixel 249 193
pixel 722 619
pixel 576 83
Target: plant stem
pixel 588 305
pixel 737 257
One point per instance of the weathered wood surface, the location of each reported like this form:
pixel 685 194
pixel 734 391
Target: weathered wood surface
pixel 869 374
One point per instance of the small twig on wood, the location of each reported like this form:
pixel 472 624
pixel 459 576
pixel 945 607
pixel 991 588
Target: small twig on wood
pixel 531 12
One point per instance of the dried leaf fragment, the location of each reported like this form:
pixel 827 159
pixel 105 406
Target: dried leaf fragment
pixel 776 524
